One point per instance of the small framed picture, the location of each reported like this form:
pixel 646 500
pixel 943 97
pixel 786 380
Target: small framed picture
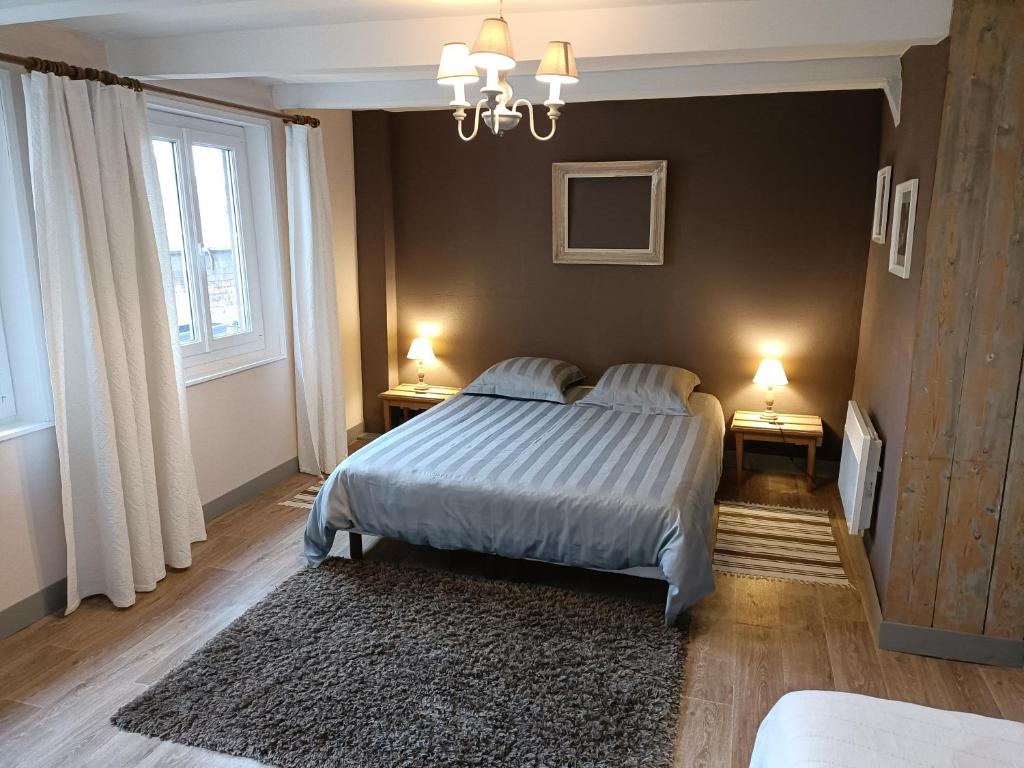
pixel 881 218
pixel 904 211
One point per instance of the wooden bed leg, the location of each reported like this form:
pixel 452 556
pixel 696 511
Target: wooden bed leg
pixel 355 546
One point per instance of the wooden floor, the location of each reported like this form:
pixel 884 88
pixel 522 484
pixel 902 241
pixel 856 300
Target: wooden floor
pixel 62 678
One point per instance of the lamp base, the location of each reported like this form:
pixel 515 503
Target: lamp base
pixel 769 415
pixel 421 387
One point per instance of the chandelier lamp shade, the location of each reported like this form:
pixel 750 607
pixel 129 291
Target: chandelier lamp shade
pixel 492 53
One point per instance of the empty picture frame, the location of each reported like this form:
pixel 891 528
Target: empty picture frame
pixel 881 217
pixel 904 212
pixel 608 213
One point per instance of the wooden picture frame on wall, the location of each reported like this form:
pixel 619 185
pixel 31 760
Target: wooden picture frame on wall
pixel 609 213
pixel 881 217
pixel 904 214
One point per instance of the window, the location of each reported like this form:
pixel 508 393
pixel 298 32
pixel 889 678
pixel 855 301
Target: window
pixel 25 402
pixel 221 261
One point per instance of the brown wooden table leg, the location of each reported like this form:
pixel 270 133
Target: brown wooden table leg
pixel 355 546
pixel 387 416
pixel 812 449
pixel 739 457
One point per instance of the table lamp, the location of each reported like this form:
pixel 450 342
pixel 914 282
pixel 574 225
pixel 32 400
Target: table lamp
pixel 770 374
pixel 421 352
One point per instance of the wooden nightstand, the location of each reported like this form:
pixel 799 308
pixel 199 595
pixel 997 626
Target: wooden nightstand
pixel 405 396
pixel 790 428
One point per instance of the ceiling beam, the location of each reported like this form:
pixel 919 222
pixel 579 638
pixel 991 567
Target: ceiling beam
pixel 723 32
pixel 668 82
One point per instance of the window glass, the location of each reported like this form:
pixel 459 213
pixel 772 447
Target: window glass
pixel 170 191
pixel 220 244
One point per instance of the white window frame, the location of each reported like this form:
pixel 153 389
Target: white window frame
pixel 250 139
pixel 23 365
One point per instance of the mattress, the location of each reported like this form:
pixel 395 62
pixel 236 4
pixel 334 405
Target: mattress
pixel 846 730
pixel 571 484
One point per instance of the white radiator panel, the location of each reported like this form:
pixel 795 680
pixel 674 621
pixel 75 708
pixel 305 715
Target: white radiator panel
pixel 858 468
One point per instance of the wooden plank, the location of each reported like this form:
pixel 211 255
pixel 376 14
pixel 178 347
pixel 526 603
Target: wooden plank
pixel 15 715
pixel 916 549
pixel 967 690
pixel 787 424
pixel 1007 688
pixel 995 344
pixel 839 603
pixel 956 231
pixel 855 667
pixel 704 734
pixel 915 679
pixel 711 650
pixel 1005 613
pixel 756 602
pixel 759 685
pixel 805 661
pixel 805 418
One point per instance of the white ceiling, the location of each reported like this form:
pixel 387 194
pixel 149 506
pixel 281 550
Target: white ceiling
pixel 383 53
pixel 125 19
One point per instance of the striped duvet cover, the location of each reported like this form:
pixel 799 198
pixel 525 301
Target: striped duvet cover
pixel 572 484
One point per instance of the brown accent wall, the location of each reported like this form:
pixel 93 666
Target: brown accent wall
pixel 768 215
pixel 375 244
pixel 888 327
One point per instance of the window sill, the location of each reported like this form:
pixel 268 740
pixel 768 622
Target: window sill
pixel 19 427
pixel 230 370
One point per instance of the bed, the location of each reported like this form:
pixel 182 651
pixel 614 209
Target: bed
pixel 846 730
pixel 571 484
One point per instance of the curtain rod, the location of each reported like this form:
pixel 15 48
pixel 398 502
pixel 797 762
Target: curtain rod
pixel 63 69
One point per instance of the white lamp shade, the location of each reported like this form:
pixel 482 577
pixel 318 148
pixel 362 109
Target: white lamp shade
pixel 455 65
pixel 558 64
pixel 421 350
pixel 770 373
pixel 493 46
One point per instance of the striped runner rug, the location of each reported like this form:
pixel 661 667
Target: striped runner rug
pixel 777 543
pixel 303 499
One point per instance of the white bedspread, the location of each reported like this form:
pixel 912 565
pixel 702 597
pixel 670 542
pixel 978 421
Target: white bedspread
pixel 825 729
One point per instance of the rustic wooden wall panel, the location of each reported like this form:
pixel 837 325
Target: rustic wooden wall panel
pixel 994 345
pixel 1005 616
pixel 966 367
pixel 944 312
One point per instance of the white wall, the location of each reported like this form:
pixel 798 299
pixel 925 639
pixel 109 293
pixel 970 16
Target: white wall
pixel 241 425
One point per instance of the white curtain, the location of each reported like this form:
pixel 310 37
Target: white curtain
pixel 128 482
pixel 319 393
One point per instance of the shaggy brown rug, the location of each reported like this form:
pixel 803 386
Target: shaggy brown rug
pixel 360 663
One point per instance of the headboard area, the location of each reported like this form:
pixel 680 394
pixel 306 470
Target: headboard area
pixel 768 209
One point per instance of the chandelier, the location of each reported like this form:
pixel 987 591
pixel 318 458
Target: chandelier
pixel 492 53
